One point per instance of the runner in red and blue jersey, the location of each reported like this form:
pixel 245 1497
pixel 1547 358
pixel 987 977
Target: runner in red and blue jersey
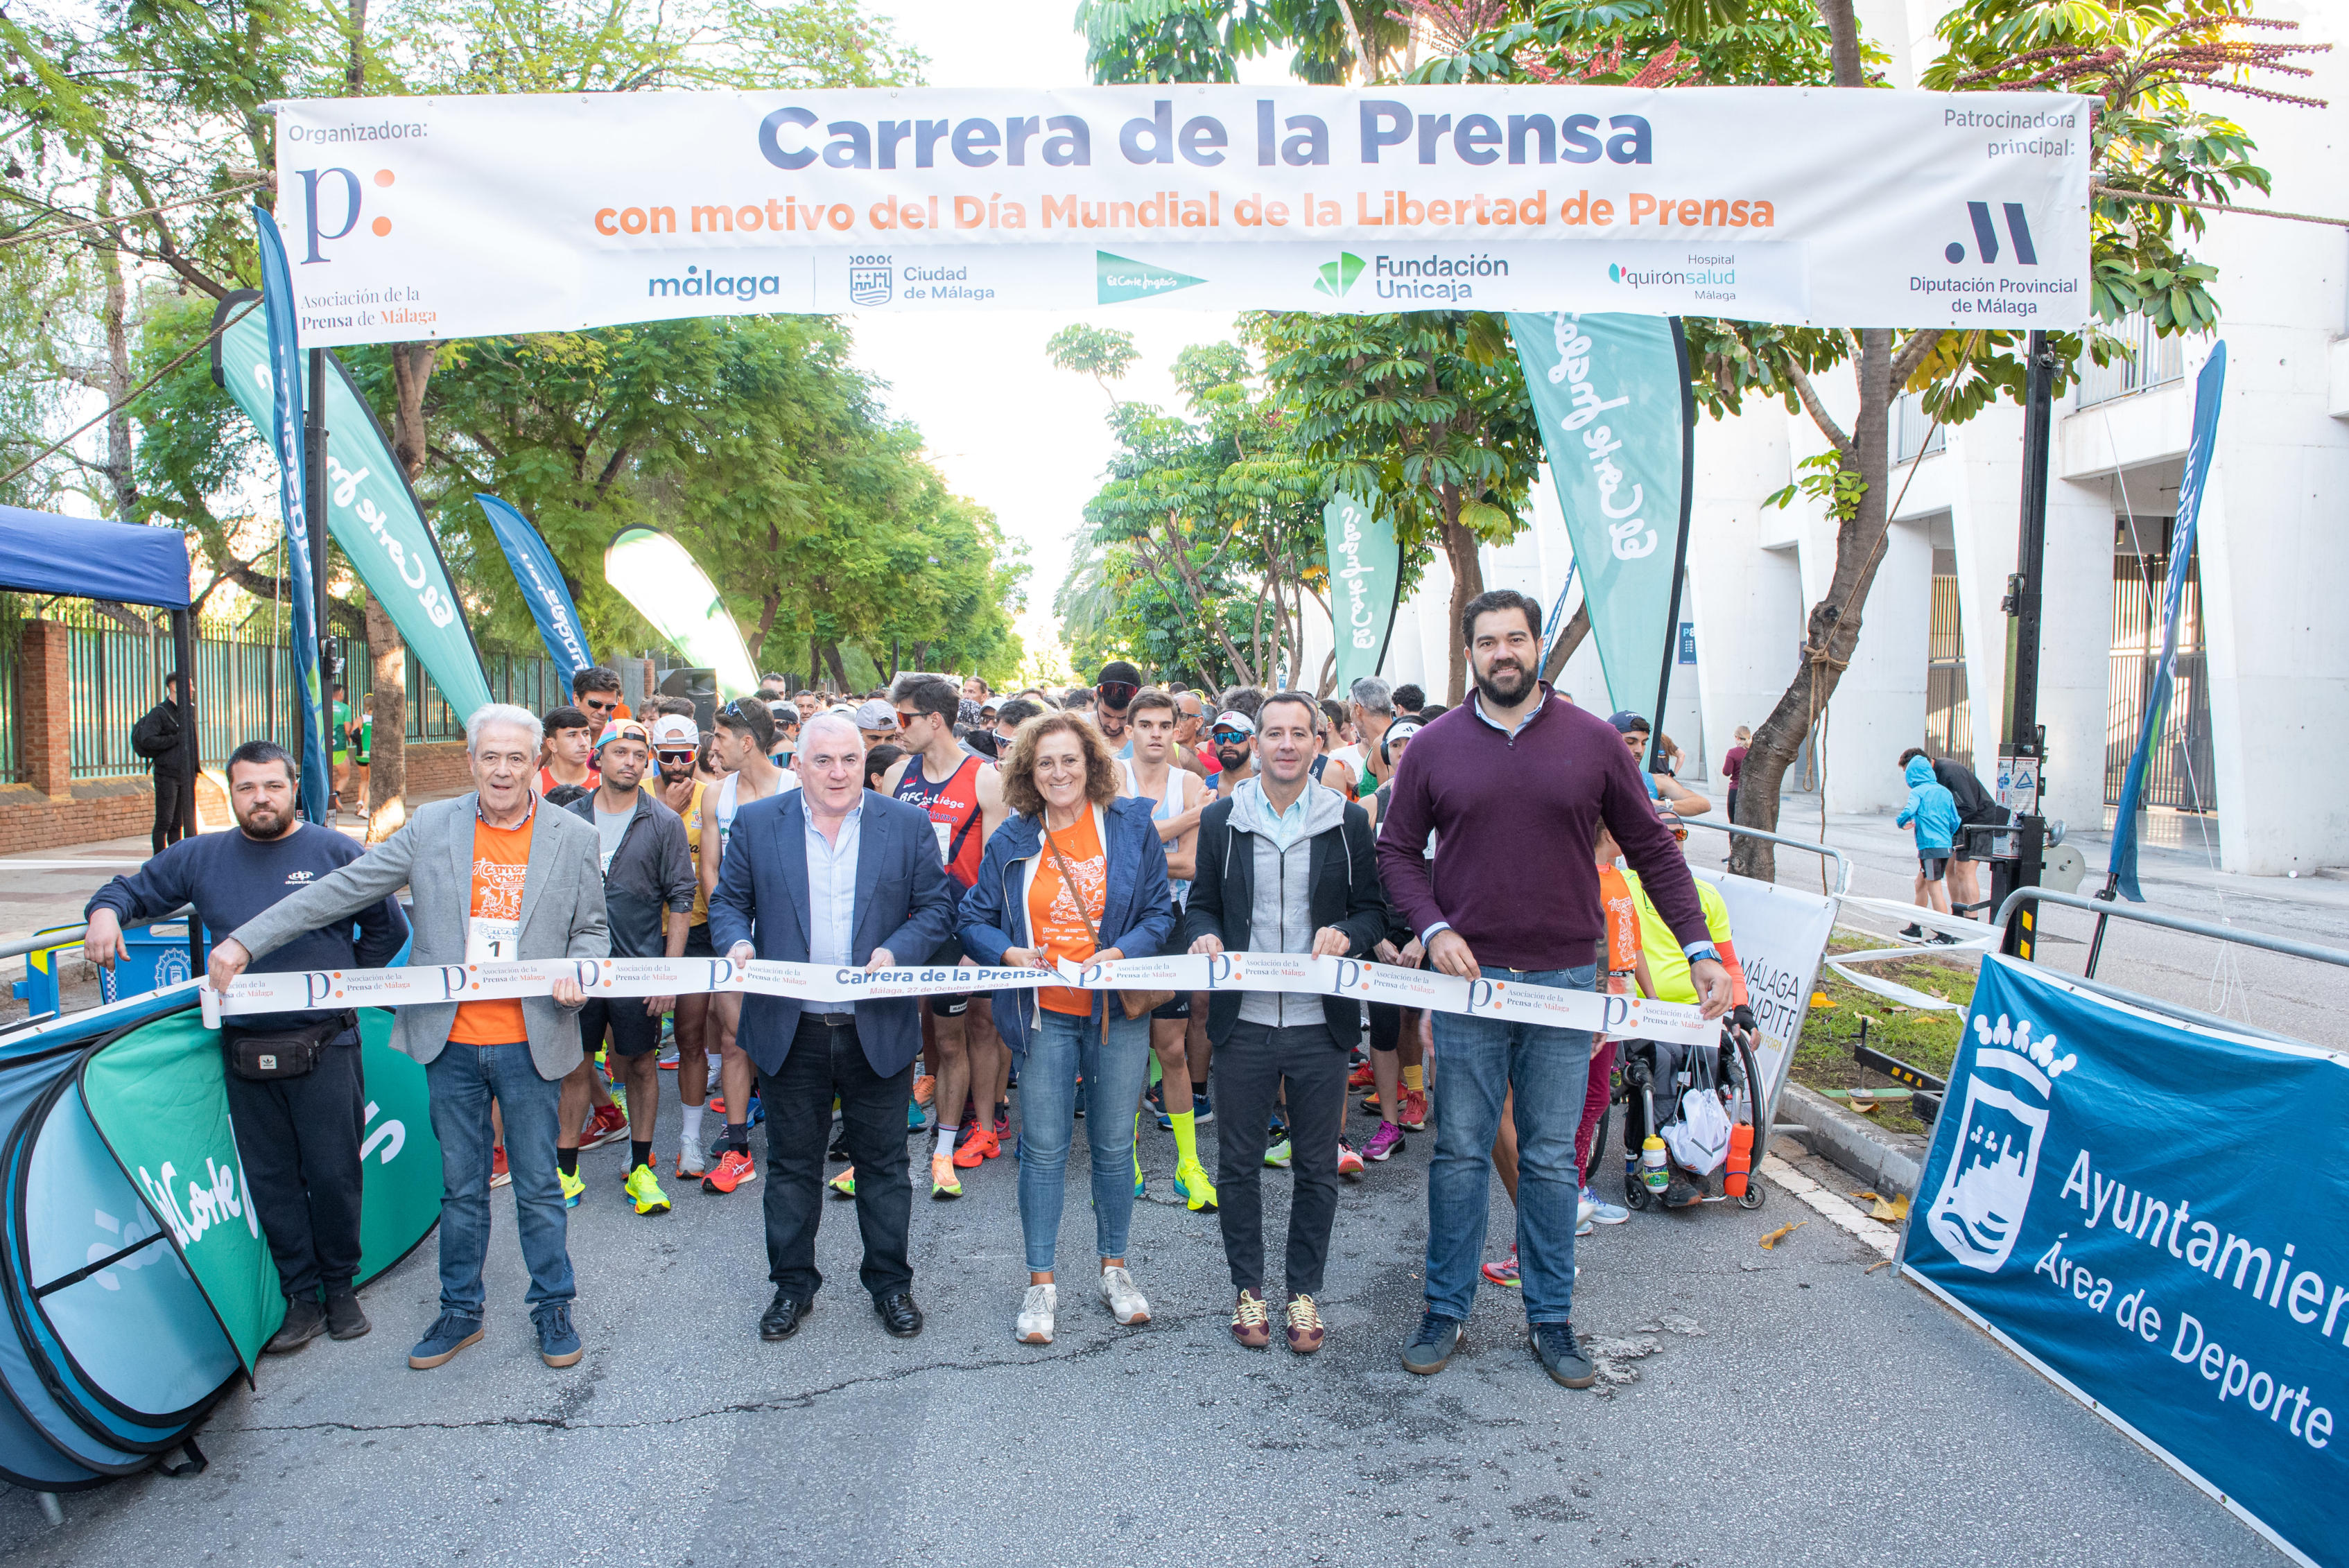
pixel 963 796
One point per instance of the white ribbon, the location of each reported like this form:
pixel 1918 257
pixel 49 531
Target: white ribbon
pixel 425 984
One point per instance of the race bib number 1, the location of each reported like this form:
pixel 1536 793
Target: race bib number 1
pixel 492 940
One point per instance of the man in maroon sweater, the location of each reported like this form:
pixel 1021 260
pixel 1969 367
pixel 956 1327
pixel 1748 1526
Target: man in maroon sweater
pixel 1514 783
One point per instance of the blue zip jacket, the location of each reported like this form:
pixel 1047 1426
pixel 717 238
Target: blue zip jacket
pixel 1137 911
pixel 1932 807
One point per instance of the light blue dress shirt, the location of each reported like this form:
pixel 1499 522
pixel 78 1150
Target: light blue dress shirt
pixel 832 888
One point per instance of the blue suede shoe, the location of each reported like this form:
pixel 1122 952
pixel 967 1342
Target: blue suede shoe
pixel 558 1342
pixel 449 1334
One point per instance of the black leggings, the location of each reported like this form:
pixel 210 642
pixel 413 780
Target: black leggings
pixel 1386 1025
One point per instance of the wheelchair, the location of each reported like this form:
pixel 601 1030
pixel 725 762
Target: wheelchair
pixel 1653 1070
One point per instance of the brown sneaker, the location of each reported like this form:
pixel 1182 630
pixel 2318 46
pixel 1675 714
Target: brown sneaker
pixel 1305 1330
pixel 1251 1325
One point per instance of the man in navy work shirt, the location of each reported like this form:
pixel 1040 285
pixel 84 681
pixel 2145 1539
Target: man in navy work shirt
pixel 1515 784
pixel 298 1136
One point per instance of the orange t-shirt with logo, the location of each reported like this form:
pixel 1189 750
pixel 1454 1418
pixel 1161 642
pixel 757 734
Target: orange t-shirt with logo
pixel 1054 924
pixel 1622 922
pixel 501 858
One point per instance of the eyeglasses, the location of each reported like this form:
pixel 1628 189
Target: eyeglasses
pixel 675 757
pixel 905 719
pixel 1230 738
pixel 1117 693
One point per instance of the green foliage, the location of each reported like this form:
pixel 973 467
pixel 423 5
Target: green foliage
pixel 1205 40
pixel 1824 479
pixel 1206 541
pixel 1611 41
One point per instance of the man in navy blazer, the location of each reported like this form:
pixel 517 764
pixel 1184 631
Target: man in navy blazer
pixel 834 875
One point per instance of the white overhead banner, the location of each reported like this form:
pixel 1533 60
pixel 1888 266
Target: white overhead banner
pixel 463 217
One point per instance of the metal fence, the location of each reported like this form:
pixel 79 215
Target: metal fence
pixel 1949 711
pixel 1914 432
pixel 244 686
pixel 2151 362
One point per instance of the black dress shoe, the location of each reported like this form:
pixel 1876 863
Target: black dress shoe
pixel 783 1316
pixel 898 1314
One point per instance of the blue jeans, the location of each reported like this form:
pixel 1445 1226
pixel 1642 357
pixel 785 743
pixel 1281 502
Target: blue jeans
pixel 1066 1045
pixel 462 1080
pixel 1478 1060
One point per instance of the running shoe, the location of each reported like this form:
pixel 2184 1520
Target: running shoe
pixel 925 1087
pixel 1603 1211
pixel 608 1125
pixel 1003 1119
pixel 1385 1144
pixel 734 1168
pixel 1141 1188
pixel 1276 1155
pixel 1276 1129
pixel 1371 1103
pixel 944 1185
pixel 645 1189
pixel 1504 1273
pixel 1251 1325
pixel 669 1057
pixel 976 1147
pixel 499 1175
pixel 573 1189
pixel 836 1153
pixel 1191 1184
pixel 1584 1228
pixel 1154 1100
pixel 691 1164
pixel 1411 1110
pixel 917 1120
pixel 718 1104
pixel 1362 1077
pixel 1349 1162
pixel 845 1184
pixel 1912 929
pixel 1203 1110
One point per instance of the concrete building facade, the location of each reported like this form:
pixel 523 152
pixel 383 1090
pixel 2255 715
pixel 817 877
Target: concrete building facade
pixel 2259 725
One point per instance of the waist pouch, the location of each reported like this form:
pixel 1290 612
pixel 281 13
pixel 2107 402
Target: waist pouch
pixel 287 1054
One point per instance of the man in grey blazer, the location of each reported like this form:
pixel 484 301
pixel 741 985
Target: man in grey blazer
pixel 832 874
pixel 494 880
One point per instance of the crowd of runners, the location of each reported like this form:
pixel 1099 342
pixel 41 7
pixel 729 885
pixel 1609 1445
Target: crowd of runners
pixel 938 823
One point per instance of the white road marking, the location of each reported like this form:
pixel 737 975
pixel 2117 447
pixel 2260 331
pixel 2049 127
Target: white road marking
pixel 1839 1211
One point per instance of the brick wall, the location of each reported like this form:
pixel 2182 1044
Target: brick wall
pixel 102 809
pixel 438 769
pixel 45 708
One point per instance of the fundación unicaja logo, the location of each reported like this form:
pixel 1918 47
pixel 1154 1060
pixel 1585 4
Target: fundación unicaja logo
pixel 1986 1187
pixel 1338 277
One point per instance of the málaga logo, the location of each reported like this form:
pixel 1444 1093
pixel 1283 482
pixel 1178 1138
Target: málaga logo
pixel 1338 277
pixel 1985 1188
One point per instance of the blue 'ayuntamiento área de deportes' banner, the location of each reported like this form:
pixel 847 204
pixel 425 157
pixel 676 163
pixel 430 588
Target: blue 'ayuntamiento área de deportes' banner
pixel 2155 1213
pixel 542 588
pixel 283 429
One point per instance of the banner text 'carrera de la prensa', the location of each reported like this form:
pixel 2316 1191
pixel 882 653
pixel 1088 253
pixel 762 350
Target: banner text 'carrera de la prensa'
pixel 458 217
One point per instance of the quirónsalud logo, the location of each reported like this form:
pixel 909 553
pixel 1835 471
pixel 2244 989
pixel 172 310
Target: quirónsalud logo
pixel 1338 277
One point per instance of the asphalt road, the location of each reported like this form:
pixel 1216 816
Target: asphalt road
pixel 1771 1406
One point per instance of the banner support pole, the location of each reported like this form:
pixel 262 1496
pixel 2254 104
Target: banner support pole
pixel 1680 546
pixel 314 463
pixel 2023 736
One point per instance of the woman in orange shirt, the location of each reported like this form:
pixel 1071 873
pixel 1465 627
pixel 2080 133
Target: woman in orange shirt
pixel 1077 873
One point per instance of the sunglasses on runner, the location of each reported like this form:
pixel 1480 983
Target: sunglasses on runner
pixel 1117 693
pixel 1231 737
pixel 599 702
pixel 675 757
pixel 905 718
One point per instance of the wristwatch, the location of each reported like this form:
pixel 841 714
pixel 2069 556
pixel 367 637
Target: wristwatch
pixel 1696 950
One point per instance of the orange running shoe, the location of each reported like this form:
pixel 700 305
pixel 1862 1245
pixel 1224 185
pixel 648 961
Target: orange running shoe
pixel 499 1175
pixel 1411 1110
pixel 718 1104
pixel 1362 1077
pixel 730 1172
pixel 924 1088
pixel 980 1145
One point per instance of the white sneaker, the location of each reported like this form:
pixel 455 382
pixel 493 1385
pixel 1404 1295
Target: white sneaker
pixel 1596 1207
pixel 1126 1302
pixel 1035 1325
pixel 1588 1207
pixel 691 1162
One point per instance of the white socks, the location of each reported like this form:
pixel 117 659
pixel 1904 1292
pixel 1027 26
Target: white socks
pixel 690 1138
pixel 945 1140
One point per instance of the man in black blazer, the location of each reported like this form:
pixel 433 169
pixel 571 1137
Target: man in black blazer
pixel 1284 865
pixel 834 875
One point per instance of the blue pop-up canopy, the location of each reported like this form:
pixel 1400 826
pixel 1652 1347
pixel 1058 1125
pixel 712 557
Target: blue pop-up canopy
pixel 41 552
